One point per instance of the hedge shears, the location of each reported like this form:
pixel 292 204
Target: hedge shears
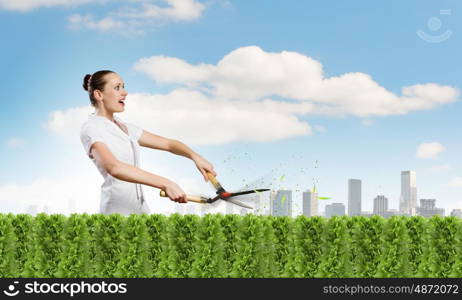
pixel 221 194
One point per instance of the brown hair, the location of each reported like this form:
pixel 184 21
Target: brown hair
pixel 95 82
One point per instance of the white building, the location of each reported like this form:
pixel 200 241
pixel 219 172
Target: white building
pixel 310 203
pixel 262 204
pixel 367 214
pixel 354 197
pixel 408 199
pixel 281 205
pixel 32 210
pixel 456 213
pixel 335 209
pixel 380 206
pixel 391 212
pixel 427 208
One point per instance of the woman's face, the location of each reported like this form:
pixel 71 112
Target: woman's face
pixel 114 93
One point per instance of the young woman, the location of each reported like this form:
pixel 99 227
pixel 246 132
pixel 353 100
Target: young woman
pixel 113 146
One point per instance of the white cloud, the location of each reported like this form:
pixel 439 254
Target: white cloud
pixel 196 119
pixel 250 73
pixel 56 194
pixel 77 22
pixel 429 150
pixel 231 101
pixel 28 5
pixel 456 182
pixel 178 10
pixel 440 168
pixel 15 143
pixel 127 18
pixel 67 123
pixel 320 128
pixel 367 122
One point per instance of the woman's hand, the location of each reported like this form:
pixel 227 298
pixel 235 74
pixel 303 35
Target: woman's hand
pixel 204 166
pixel 175 193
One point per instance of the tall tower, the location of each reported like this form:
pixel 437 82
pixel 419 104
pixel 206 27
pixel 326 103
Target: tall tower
pixel 408 199
pixel 261 204
pixel 427 208
pixel 310 203
pixel 380 206
pixel 71 206
pixel 282 204
pixel 335 209
pixel 354 197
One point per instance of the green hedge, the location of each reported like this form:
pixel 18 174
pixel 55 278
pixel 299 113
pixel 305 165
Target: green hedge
pixel 249 246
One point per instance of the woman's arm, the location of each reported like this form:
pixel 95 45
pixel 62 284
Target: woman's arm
pixel 123 171
pixel 154 141
pixel 126 172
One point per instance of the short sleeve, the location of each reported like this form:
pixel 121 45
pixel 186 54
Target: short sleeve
pixel 134 131
pixel 90 135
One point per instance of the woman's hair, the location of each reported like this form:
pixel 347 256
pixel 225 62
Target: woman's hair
pixel 95 82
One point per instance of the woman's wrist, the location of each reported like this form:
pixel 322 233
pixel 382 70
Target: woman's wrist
pixel 164 183
pixel 195 156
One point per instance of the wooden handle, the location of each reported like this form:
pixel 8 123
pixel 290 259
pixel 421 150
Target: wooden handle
pixel 197 199
pixel 214 181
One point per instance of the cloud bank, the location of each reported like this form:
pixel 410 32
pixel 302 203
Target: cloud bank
pixel 253 95
pixel 250 73
pixel 127 17
pixel 429 150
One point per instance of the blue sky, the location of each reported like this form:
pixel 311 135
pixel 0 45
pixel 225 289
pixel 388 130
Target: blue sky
pixel 45 57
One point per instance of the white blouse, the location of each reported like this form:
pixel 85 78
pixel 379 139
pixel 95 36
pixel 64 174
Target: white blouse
pixel 117 196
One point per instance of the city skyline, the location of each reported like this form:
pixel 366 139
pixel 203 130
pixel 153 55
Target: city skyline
pixel 281 202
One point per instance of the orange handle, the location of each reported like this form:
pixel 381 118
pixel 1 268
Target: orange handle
pixel 197 199
pixel 214 181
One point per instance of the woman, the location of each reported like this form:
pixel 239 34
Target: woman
pixel 113 146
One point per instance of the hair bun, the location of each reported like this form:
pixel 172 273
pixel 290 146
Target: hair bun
pixel 86 82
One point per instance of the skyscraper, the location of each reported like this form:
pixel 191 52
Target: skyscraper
pixel 261 204
pixel 32 210
pixel 282 203
pixel 380 206
pixel 310 203
pixel 354 197
pixel 457 212
pixel 427 208
pixel 272 200
pixel 391 212
pixel 71 206
pixel 408 199
pixel 335 209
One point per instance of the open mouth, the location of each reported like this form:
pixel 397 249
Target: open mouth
pixel 122 102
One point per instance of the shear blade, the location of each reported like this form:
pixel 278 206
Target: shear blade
pixel 237 202
pixel 249 192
